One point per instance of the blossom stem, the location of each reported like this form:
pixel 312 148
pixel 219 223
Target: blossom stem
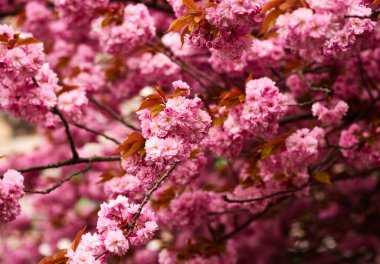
pixel 112 113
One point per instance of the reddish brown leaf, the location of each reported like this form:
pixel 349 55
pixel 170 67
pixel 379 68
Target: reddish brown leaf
pixel 105 177
pixel 322 177
pixel 164 199
pixel 190 5
pixel 180 23
pixel 271 147
pixel 67 88
pixel 159 92
pixel 57 258
pixel 185 32
pixel 232 98
pixel 150 102
pixel 134 143
pixel 154 110
pixel 270 20
pixel 135 147
pixel 178 92
pixel 156 102
pixel 3 38
pixel 26 41
pixel 195 152
pixel 271 4
pixel 77 239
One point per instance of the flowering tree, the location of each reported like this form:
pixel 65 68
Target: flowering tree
pixel 226 131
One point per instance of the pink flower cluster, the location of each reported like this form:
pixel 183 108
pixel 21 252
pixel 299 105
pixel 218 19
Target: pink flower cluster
pixel 115 218
pixel 22 98
pixel 28 84
pixel 169 135
pixel 29 89
pixel 359 141
pixel 323 25
pixel 226 25
pixel 256 59
pixel 301 150
pixel 19 61
pixel 79 12
pixel 11 190
pixel 330 115
pixel 37 18
pixel 190 208
pixel 126 185
pixel 228 14
pixel 90 247
pixel 155 69
pixel 136 28
pixel 256 117
pixel 282 171
pixel 189 170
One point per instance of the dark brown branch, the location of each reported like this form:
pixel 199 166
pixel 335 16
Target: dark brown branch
pixel 280 193
pixel 69 163
pixel 112 113
pixel 246 224
pixel 93 131
pixel 364 81
pixel 295 118
pixel 311 87
pixel 147 197
pixel 374 15
pixel 167 52
pixel 237 211
pixel 58 184
pixel 183 67
pixel 149 193
pixel 68 133
pixel 307 103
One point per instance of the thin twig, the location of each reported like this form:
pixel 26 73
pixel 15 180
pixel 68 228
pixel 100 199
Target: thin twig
pixel 56 111
pixel 69 162
pixel 237 211
pixel 112 113
pixel 149 193
pixel 68 133
pixel 182 63
pixel 307 103
pixel 362 73
pixel 288 192
pixel 185 69
pixel 147 197
pixel 58 184
pixel 247 223
pixel 295 118
pixel 95 132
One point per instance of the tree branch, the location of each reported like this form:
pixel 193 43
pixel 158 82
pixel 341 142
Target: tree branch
pixel 68 163
pixel 131 226
pixel 58 184
pixel 294 118
pixel 68 133
pixel 112 113
pixel 147 197
pixel 93 131
pixel 247 223
pixel 287 192
pixel 182 66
